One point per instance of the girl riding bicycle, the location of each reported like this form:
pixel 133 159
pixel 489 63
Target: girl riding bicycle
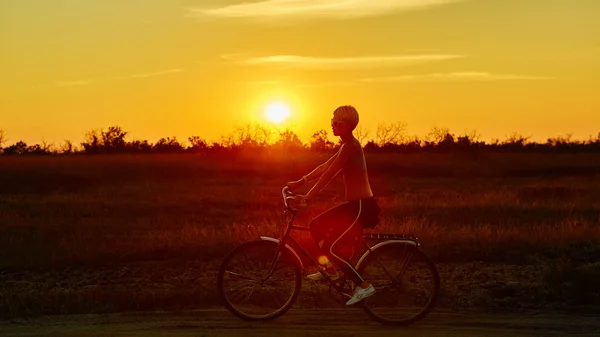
pixel 341 226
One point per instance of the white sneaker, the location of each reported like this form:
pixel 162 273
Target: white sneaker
pixel 360 294
pixel 318 276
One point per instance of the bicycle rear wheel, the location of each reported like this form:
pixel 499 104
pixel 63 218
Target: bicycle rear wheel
pixel 246 288
pixel 407 284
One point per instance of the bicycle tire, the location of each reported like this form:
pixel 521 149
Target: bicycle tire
pixel 368 305
pixel 287 260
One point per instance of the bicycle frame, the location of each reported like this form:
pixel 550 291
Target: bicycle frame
pixel 283 245
pixel 286 235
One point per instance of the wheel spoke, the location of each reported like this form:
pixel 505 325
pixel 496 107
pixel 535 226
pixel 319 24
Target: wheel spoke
pixel 408 295
pixel 258 287
pixel 273 298
pixel 241 276
pixel 235 296
pixel 248 296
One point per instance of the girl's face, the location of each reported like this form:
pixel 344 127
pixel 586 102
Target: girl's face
pixel 339 127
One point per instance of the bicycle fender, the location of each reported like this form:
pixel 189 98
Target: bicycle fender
pixel 267 238
pixel 381 244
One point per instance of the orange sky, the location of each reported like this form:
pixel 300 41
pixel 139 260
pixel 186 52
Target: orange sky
pixel 163 68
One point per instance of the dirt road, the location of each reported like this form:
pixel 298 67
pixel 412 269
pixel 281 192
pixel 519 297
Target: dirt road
pixel 350 322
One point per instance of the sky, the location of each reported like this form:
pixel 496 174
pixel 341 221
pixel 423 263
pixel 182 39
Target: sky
pixel 164 68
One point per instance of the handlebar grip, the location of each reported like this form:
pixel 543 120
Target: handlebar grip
pixel 284 191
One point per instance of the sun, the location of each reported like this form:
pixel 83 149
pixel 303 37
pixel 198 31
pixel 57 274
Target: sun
pixel 277 112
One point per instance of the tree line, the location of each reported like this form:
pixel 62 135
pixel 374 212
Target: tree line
pixel 389 137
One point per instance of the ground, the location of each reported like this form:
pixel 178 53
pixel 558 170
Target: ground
pixel 301 322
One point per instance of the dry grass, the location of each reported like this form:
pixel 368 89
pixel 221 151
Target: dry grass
pixel 85 216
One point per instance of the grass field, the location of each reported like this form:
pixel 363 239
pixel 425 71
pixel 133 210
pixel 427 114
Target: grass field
pixel 114 233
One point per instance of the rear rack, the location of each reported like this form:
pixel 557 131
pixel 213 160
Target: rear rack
pixel 387 236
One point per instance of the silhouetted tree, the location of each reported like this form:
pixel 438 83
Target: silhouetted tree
pixel 437 135
pixel 447 141
pixel 226 142
pixel 197 144
pixel 470 140
pixel 262 134
pixel 217 148
pixel 113 140
pixel 516 138
pixel 139 146
pixel 413 143
pixel 473 136
pixel 246 137
pixel 595 143
pixel 514 141
pixel 371 146
pixel 67 147
pixel 319 142
pixel 289 141
pixel 390 137
pixel 361 134
pixel 36 149
pixel 464 142
pixel 2 138
pixel 561 142
pixel 390 133
pixel 18 148
pixel 92 142
pixel 168 145
pixel 109 141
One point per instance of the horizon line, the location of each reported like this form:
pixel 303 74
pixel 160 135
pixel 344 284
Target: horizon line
pixel 275 132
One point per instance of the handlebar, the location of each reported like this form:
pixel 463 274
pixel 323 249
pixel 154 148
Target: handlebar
pixel 287 195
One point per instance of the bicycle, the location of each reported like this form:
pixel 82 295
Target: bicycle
pixel 268 258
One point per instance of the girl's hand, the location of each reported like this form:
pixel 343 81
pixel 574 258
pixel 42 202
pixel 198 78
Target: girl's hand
pixel 295 184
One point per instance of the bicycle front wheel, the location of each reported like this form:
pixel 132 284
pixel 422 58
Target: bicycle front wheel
pixel 251 289
pixel 406 281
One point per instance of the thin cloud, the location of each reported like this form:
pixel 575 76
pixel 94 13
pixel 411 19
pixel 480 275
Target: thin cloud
pixel 158 73
pixel 345 63
pixel 327 84
pixel 325 9
pixel 87 82
pixel 457 76
pixel 423 50
pixel 263 82
pixel 436 77
pixel 73 83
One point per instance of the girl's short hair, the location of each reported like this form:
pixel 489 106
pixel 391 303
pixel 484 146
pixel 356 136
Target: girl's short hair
pixel 348 114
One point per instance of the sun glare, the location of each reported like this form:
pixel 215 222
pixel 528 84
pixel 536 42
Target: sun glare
pixel 277 112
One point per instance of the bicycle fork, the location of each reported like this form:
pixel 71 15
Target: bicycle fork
pixel 280 250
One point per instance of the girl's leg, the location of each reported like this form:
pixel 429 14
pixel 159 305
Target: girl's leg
pixel 325 228
pixel 348 238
